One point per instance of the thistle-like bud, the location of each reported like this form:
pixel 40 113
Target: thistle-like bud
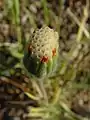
pixel 41 54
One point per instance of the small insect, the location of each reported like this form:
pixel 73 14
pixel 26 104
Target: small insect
pixel 44 59
pixel 54 52
pixel 30 48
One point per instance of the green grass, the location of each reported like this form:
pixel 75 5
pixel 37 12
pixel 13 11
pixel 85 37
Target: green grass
pixel 53 106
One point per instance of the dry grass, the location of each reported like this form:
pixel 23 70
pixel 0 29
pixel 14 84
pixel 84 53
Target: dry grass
pixel 67 92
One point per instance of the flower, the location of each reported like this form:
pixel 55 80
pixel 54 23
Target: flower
pixel 41 54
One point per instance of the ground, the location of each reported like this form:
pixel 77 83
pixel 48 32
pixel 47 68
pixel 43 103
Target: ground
pixel 68 92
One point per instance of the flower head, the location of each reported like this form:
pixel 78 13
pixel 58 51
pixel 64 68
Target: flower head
pixel 42 52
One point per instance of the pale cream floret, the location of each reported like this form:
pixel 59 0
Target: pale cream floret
pixel 43 41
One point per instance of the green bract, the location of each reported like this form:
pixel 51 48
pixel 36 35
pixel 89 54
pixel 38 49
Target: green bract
pixel 41 54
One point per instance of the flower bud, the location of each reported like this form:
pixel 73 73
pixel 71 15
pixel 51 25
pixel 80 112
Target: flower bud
pixel 41 54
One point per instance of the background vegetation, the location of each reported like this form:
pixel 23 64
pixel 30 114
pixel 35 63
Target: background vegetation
pixel 67 94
